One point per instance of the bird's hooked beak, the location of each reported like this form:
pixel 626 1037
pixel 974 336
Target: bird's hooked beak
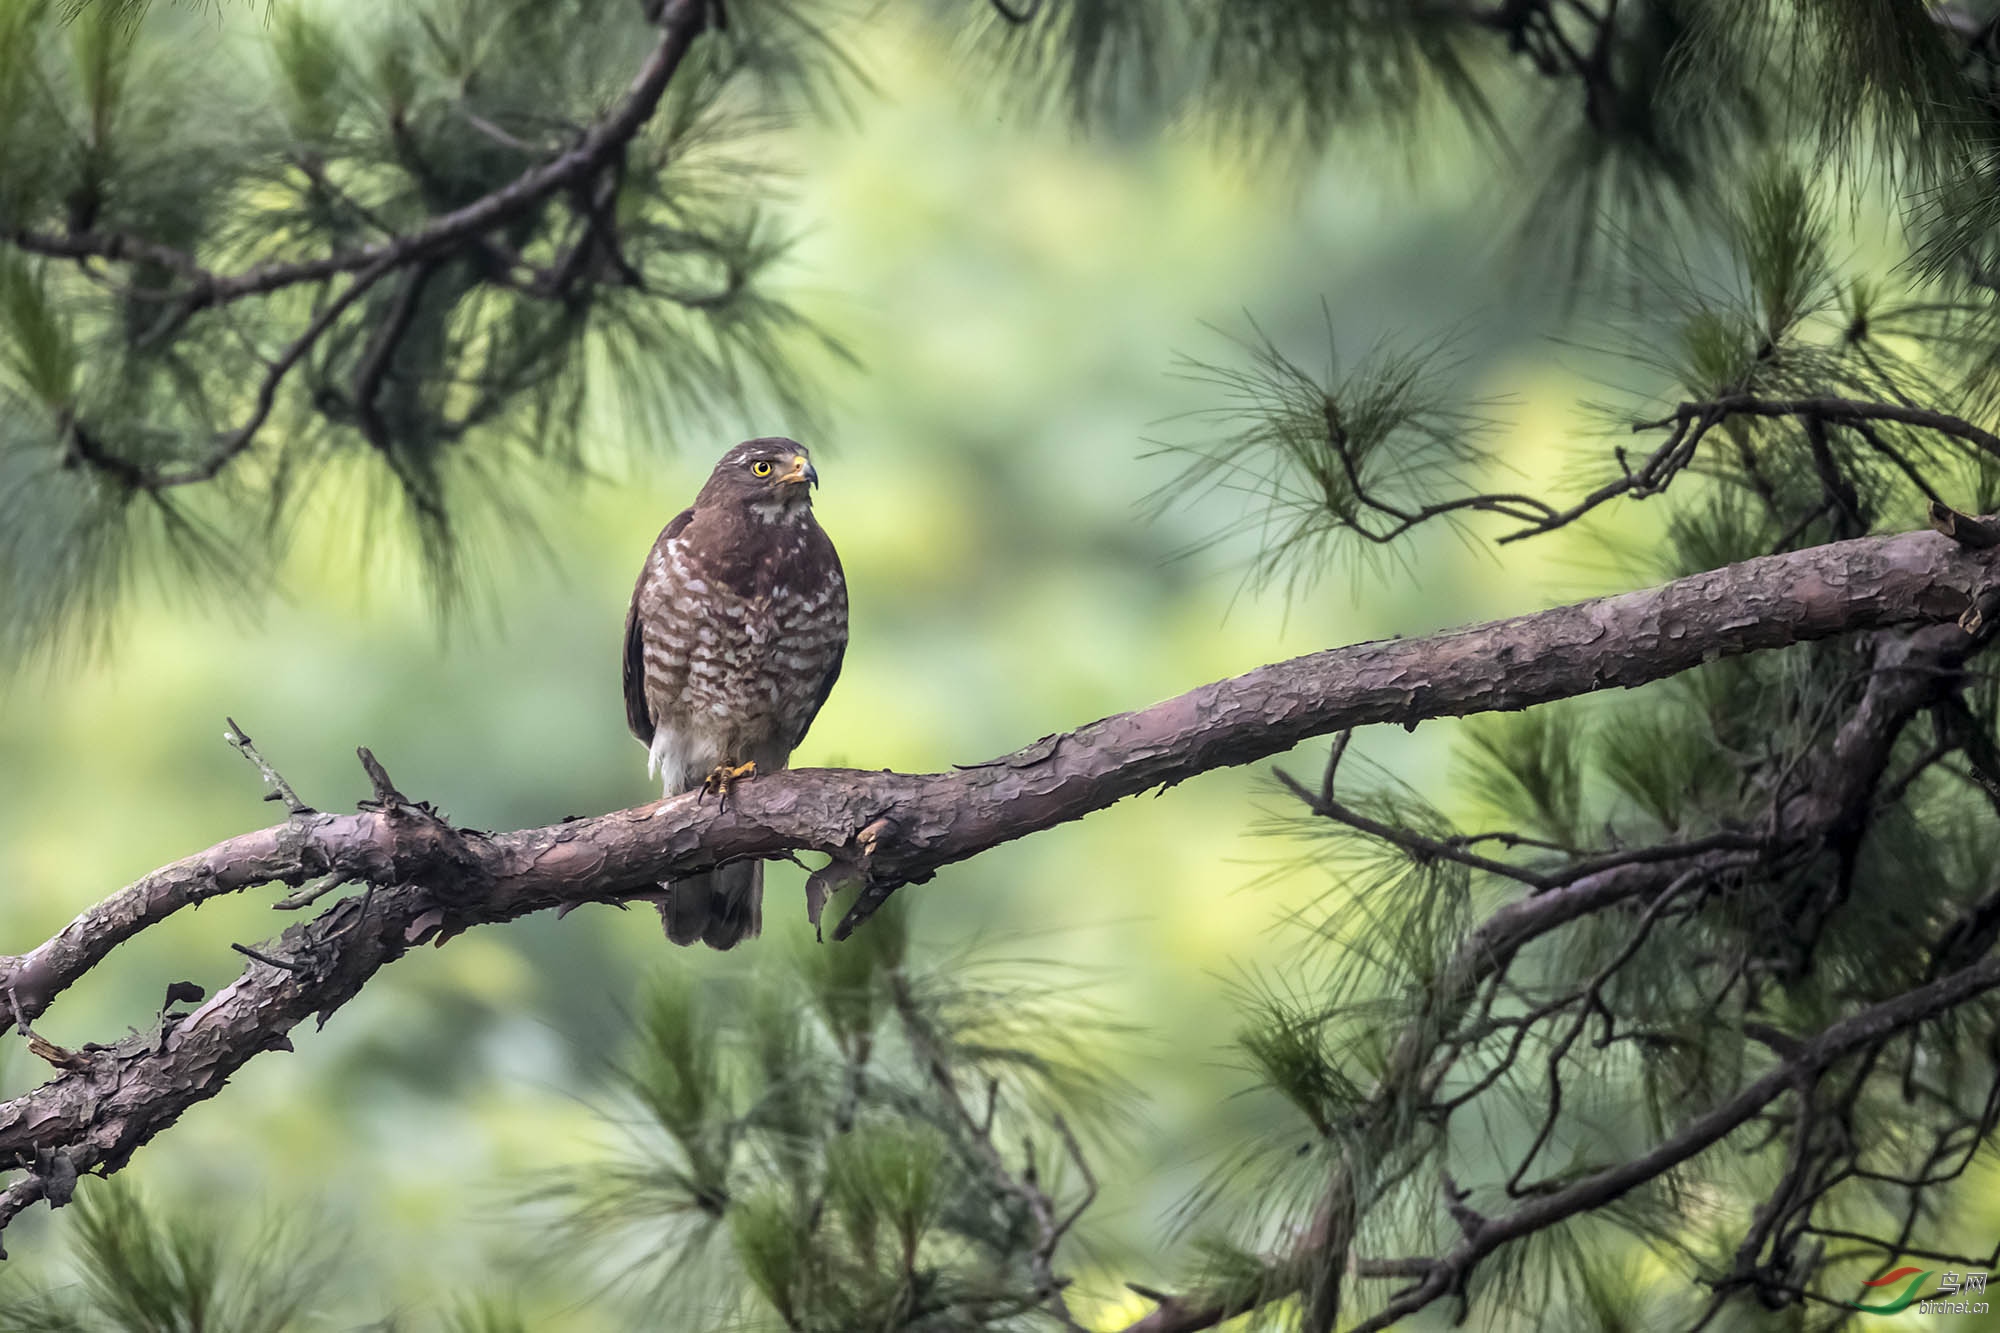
pixel 802 471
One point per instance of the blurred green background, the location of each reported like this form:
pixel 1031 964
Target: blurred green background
pixel 1015 297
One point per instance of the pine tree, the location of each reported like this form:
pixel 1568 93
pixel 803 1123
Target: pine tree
pixel 1697 1030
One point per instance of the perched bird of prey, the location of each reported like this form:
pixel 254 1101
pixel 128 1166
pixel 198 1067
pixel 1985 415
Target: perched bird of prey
pixel 735 636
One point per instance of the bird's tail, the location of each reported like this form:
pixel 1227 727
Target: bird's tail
pixel 719 907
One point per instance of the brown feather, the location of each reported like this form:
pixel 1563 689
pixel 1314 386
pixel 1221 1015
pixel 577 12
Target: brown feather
pixel 638 713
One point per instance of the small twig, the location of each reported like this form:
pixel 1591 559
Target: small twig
pixel 39 1046
pixel 263 957
pixel 1416 846
pixel 386 794
pixel 308 894
pixel 1587 998
pixel 281 790
pixel 1690 423
pixel 1083 1168
pixel 361 915
pixel 1384 1268
pixel 1334 755
pixel 869 901
pixel 1798 527
pixel 315 171
pixel 20 1019
pixel 495 132
pixel 16 1197
pixel 374 366
pixel 874 892
pixel 1975 533
pixel 1469 1219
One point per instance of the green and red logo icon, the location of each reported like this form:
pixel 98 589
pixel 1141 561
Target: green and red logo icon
pixel 1910 1280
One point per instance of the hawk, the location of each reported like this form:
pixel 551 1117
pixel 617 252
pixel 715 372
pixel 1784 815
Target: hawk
pixel 735 637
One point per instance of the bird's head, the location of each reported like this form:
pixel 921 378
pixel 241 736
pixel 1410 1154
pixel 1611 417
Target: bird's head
pixel 769 473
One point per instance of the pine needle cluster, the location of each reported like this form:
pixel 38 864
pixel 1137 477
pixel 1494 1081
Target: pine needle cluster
pixel 847 1139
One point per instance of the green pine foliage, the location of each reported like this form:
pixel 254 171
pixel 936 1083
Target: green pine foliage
pixel 845 1139
pixel 159 430
pixel 1330 464
pixel 137 1270
pixel 133 1267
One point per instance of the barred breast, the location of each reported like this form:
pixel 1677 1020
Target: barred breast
pixel 737 653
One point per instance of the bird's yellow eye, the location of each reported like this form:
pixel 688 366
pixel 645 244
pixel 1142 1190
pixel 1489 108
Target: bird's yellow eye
pixel 761 468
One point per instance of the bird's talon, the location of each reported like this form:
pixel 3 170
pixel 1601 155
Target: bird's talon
pixel 722 779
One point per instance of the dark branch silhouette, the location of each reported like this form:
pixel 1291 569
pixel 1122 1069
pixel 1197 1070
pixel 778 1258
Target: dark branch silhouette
pixel 1689 426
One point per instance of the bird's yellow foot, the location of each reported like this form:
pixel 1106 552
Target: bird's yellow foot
pixel 723 779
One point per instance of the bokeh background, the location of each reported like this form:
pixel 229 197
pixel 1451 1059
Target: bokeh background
pixel 1015 297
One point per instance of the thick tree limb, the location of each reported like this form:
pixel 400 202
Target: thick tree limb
pixel 432 880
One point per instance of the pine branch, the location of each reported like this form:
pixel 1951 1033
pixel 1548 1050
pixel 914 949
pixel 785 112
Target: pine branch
pixel 681 21
pixel 416 253
pixel 432 880
pixel 1691 423
pixel 976 1133
pixel 1911 671
pixel 1813 1058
